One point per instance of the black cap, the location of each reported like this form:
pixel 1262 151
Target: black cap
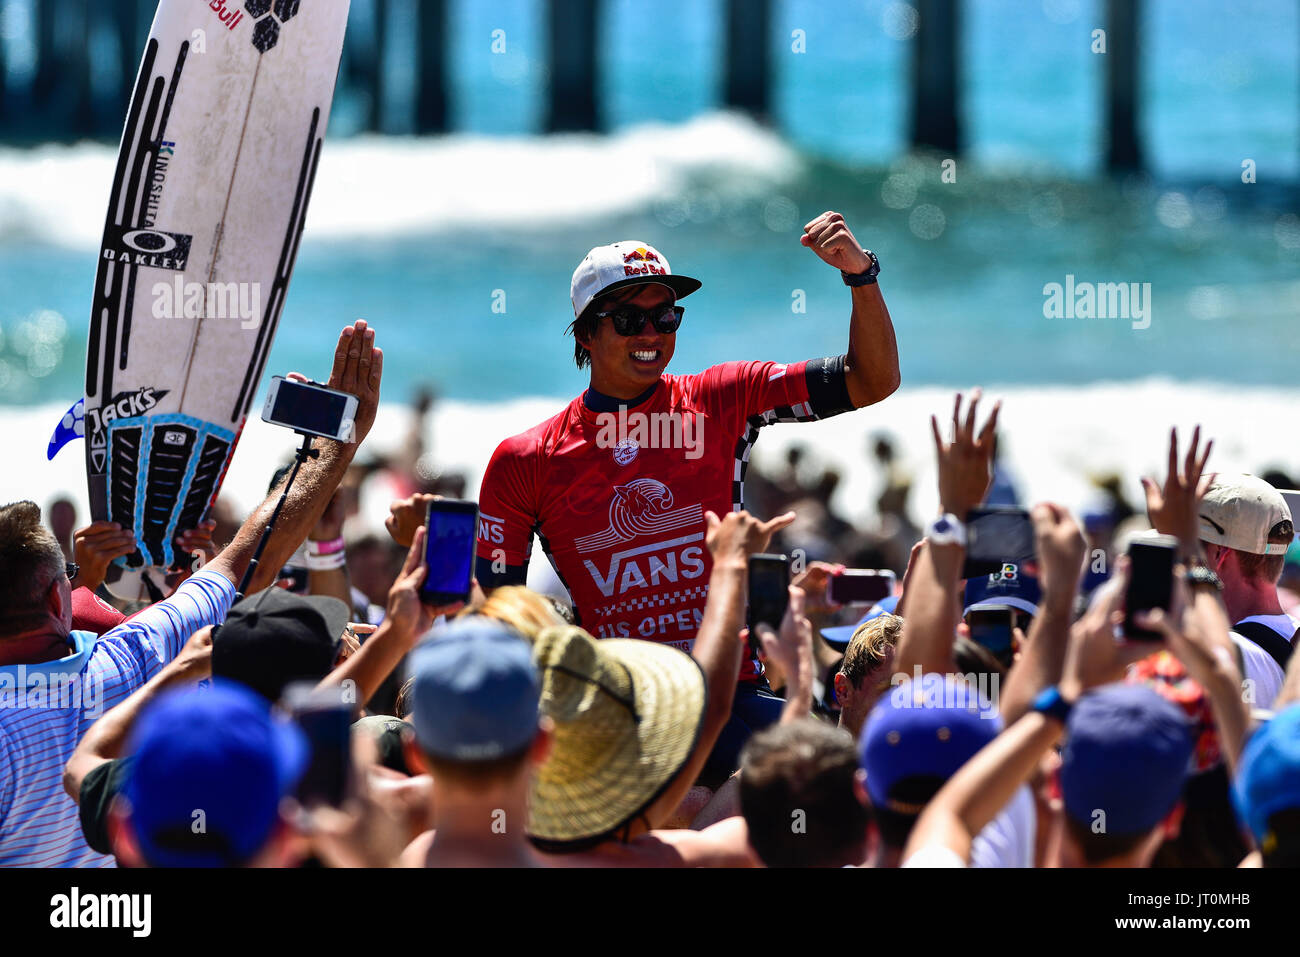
pixel 275 637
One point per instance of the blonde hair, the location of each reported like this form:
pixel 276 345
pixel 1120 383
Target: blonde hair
pixel 869 646
pixel 522 609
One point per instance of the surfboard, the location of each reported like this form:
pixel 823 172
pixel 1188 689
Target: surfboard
pixel 213 180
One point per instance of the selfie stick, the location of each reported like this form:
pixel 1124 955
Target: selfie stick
pixel 305 452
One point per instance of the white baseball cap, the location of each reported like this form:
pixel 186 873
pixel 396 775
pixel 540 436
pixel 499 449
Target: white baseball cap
pixel 625 263
pixel 1240 511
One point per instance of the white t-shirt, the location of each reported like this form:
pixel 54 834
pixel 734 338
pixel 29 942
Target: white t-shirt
pixel 1264 673
pixel 1006 841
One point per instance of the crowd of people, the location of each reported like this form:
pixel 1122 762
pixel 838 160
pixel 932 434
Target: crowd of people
pixel 517 728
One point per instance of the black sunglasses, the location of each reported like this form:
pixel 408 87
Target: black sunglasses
pixel 629 321
pixel 72 570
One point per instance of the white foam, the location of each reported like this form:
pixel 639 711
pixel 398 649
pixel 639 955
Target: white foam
pixel 386 186
pixel 1053 439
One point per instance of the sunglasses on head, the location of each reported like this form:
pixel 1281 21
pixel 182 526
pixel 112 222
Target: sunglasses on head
pixel 629 321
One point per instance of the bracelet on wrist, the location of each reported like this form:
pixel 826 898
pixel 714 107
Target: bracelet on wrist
pixel 328 547
pixel 324 563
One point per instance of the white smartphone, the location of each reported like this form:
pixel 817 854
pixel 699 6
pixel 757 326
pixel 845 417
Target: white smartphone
pixel 311 408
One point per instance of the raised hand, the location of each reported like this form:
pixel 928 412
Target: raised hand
pixel 406 515
pixel 94 548
pixel 1061 549
pixel 832 240
pixel 1098 653
pixel 965 463
pixel 358 368
pixel 738 534
pixel 1174 507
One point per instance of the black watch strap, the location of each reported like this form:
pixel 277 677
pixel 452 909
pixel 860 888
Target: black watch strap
pixel 867 276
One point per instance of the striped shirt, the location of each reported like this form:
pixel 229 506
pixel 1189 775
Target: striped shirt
pixel 46 708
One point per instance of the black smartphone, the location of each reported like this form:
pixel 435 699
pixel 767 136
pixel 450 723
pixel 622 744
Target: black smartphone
pixel 325 717
pixel 769 582
pixel 1150 583
pixel 995 536
pixel 450 532
pixel 861 585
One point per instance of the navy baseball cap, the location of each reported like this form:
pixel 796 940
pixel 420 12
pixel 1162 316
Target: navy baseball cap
pixel 475 691
pixel 1011 587
pixel 926 728
pixel 839 636
pixel 1268 779
pixel 210 768
pixel 1127 753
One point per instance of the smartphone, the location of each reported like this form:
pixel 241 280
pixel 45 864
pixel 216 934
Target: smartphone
pixel 861 586
pixel 325 717
pixel 310 408
pixel 1150 583
pixel 450 531
pixel 993 629
pixel 769 581
pixel 995 536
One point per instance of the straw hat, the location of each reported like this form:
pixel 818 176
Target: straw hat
pixel 627 715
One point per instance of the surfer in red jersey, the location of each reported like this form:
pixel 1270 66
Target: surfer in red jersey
pixel 617 484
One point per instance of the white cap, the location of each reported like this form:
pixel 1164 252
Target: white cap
pixel 624 263
pixel 1239 511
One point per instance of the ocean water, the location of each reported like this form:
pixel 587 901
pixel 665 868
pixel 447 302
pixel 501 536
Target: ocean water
pixel 425 237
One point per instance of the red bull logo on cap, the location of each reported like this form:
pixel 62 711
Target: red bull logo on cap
pixel 641 254
pixel 647 259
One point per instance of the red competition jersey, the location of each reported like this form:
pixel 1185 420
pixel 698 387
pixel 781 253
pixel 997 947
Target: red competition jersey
pixel 618 499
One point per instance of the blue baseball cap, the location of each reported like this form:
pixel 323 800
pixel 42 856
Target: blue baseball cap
pixel 475 691
pixel 1127 753
pixel 839 636
pixel 210 767
pixel 923 728
pixel 1268 778
pixel 1010 587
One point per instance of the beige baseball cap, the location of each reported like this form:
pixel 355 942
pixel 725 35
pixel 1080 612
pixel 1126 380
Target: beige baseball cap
pixel 1239 511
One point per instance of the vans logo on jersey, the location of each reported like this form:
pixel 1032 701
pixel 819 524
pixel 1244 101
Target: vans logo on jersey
pixel 651 565
pixel 641 507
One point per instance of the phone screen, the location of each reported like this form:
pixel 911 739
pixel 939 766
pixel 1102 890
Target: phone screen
pixel 326 720
pixel 308 409
pixel 1150 584
pixel 769 581
pixel 861 585
pixel 449 551
pixel 995 536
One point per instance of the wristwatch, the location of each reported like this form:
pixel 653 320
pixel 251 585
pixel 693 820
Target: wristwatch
pixel 865 278
pixel 947 529
pixel 1050 703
